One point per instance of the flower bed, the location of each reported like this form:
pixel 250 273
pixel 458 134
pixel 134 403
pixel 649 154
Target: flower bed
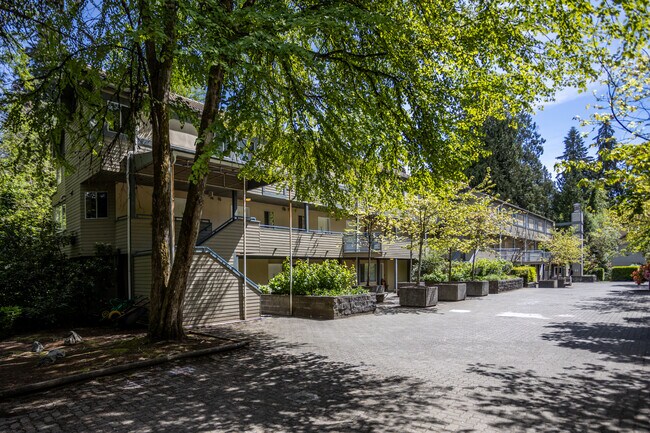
pixel 319 307
pixel 500 286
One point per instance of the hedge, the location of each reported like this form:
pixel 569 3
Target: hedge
pixel 623 273
pixel 599 273
pixel 528 273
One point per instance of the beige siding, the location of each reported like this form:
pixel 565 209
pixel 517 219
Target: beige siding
pixel 140 234
pixel 96 230
pixel 397 249
pixel 142 276
pixel 214 294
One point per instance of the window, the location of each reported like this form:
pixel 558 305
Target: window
pixel 274 269
pixel 60 174
pixel 323 224
pixel 363 270
pixel 60 217
pixel 96 205
pixel 269 218
pixel 117 116
pixel 301 222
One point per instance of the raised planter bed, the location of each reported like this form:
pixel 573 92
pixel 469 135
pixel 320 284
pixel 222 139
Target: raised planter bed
pixel 451 291
pixel 584 278
pixel 418 296
pixel 319 307
pixel 548 284
pixel 477 288
pixel 499 286
pixel 564 282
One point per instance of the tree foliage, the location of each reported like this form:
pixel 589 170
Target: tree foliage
pixel 337 93
pixel 514 147
pixel 564 247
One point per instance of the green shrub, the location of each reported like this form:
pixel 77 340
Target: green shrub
pixel 8 316
pixel 528 273
pixel 623 273
pixel 462 271
pixel 599 273
pixel 329 278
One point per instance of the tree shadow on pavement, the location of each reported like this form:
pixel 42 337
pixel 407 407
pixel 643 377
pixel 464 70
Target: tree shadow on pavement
pixel 617 342
pixel 583 398
pixel 619 301
pixel 268 386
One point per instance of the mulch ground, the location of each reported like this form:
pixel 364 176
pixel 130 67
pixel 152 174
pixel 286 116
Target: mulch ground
pixel 100 348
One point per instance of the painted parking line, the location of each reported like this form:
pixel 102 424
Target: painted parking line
pixel 522 315
pixel 460 311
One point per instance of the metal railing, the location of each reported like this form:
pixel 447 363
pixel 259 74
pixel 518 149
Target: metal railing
pixel 223 262
pixel 358 243
pixel 523 256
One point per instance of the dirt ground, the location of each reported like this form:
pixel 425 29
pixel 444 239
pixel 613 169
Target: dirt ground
pixel 100 348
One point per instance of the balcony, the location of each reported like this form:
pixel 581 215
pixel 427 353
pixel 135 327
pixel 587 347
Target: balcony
pixel 358 243
pixel 522 256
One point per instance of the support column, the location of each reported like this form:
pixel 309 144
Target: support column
pixel 307 216
pixel 396 276
pixel 233 205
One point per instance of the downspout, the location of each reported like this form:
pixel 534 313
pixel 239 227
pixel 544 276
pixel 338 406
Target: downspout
pixel 243 312
pixel 129 270
pixel 172 234
pixel 290 255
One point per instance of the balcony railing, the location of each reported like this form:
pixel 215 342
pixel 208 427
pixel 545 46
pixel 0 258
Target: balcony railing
pixel 358 243
pixel 523 256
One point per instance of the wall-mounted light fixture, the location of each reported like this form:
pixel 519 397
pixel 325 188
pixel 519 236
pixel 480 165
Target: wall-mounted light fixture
pixel 248 199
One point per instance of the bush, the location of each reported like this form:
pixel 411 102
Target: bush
pixel 528 273
pixel 623 273
pixel 329 278
pixel 51 289
pixel 642 274
pixel 599 273
pixel 8 316
pixel 462 271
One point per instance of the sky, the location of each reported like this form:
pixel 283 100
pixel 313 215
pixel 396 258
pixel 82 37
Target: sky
pixel 557 117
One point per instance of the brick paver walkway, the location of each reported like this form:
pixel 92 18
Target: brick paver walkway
pixel 534 359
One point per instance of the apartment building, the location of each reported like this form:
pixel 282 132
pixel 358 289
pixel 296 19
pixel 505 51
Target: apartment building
pixel 245 233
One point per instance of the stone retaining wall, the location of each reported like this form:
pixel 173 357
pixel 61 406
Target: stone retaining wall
pixel 506 285
pixel 548 284
pixel 319 307
pixel 584 278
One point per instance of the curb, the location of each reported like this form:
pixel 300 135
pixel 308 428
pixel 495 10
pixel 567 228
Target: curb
pixel 54 383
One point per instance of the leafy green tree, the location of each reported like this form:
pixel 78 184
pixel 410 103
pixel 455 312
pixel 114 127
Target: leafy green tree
pixel 336 92
pixel 604 241
pixel 564 247
pixel 514 147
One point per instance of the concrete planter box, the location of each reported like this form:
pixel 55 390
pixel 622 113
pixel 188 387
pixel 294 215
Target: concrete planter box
pixel 418 296
pixel 584 278
pixel 564 282
pixel 451 291
pixel 500 286
pixel 319 307
pixel 548 284
pixel 477 288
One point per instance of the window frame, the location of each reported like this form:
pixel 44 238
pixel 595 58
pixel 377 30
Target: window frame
pixel 120 109
pixel 96 217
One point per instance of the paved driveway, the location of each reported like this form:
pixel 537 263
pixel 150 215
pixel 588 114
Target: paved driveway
pixel 534 359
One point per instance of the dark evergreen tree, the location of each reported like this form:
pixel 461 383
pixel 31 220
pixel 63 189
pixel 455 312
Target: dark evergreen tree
pixel 514 146
pixel 569 186
pixel 605 143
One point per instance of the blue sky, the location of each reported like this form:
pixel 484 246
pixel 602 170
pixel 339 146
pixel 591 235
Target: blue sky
pixel 557 117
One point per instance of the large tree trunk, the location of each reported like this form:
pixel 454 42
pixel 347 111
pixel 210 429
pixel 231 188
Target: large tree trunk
pixel 159 58
pixel 194 205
